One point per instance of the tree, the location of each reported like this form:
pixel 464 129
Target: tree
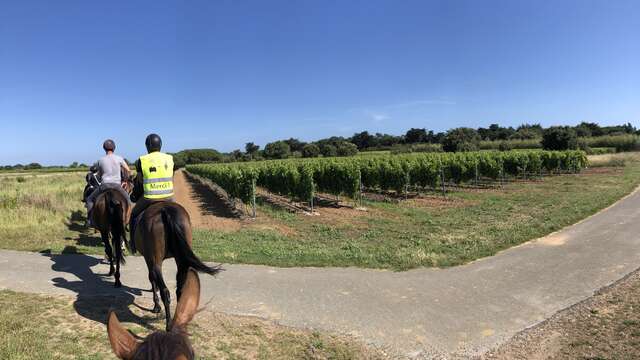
pixel 310 151
pixel 461 139
pixel 328 150
pixel 496 132
pixel 346 149
pixel 528 131
pixel 295 144
pixel 559 138
pixel 33 166
pixel 526 134
pixel 387 140
pixel 74 165
pixel 414 136
pixel 362 140
pixel 589 129
pixel 438 138
pixel 198 156
pixel 277 150
pixel 251 148
pixel 332 141
pixel 237 155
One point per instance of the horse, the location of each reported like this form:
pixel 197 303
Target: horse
pixel 170 345
pixel 163 231
pixel 110 214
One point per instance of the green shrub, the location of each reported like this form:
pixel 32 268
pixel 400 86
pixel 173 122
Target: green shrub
pixel 277 150
pixel 310 151
pixel 461 139
pixel 344 148
pixel 559 138
pixel 505 146
pixel 329 150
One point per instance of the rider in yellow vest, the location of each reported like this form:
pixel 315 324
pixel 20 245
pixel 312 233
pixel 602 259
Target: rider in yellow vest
pixel 154 179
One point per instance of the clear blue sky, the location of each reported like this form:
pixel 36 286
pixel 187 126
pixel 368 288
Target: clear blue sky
pixel 222 73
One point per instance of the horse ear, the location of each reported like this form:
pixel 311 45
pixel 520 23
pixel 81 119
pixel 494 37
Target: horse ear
pixel 124 345
pixel 189 300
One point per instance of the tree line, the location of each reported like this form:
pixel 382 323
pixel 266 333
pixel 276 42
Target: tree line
pixel 414 139
pixel 453 140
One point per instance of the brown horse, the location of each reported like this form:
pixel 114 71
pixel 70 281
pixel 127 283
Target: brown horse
pixel 164 231
pixel 110 213
pixel 170 345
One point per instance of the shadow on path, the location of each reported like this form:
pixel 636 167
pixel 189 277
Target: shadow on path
pixel 95 292
pixel 86 236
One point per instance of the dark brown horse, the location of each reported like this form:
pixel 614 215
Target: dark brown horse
pixel 170 345
pixel 110 213
pixel 164 231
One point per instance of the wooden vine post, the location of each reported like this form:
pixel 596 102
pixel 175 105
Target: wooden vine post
pixel 253 198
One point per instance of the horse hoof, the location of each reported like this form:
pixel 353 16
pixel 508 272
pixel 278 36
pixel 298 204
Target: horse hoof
pixel 118 284
pixel 156 310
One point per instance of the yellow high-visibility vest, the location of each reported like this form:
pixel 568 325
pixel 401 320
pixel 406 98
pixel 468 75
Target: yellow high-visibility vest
pixel 157 175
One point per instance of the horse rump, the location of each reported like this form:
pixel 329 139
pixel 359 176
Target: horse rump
pixel 178 244
pixel 116 215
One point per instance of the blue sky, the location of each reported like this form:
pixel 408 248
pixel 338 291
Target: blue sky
pixel 222 73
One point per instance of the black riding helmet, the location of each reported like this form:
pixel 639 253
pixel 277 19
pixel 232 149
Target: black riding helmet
pixel 153 143
pixel 109 145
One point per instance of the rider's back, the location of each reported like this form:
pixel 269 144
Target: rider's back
pixel 110 168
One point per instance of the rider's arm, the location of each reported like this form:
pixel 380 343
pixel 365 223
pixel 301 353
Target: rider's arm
pixel 125 166
pixel 138 190
pixel 127 172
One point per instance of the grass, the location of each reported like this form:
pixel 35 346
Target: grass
pixel 613 160
pixel 43 212
pixel 55 330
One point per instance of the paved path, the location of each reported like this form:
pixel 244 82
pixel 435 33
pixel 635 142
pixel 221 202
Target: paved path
pixel 419 313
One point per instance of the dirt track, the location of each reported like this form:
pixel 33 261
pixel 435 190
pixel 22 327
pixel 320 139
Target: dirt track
pixel 205 211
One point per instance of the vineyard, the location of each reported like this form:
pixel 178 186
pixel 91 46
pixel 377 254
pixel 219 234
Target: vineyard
pixel 300 178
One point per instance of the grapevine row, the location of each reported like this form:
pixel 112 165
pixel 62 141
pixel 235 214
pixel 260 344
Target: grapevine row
pixel 300 178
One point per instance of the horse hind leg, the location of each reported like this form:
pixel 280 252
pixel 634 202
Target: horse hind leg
pixel 154 291
pixel 108 251
pixel 118 249
pixel 165 295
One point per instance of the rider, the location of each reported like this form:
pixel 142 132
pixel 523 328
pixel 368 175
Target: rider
pixel 154 180
pixel 109 170
pixel 92 182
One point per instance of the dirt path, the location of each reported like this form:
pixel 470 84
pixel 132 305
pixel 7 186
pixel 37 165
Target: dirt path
pixel 201 204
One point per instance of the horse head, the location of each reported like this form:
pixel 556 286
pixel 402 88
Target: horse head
pixel 162 345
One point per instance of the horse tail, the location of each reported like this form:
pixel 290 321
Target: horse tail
pixel 116 219
pixel 178 242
